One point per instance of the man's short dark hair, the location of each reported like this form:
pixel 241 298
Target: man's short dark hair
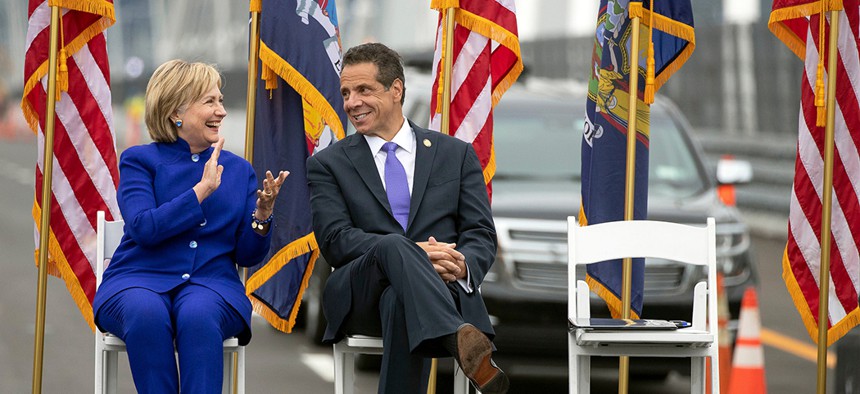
pixel 387 61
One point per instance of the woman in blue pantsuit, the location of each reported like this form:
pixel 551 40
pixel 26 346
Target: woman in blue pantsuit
pixel 192 213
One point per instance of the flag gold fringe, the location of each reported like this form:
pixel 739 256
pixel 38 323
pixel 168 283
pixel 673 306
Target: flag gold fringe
pixel 58 266
pixel 612 301
pixel 295 249
pixel 583 221
pixel 809 321
pixel 792 41
pixel 256 6
pixel 102 8
pixel 490 169
pixel 501 35
pixel 98 7
pixel 304 87
pixel 440 4
pixel 675 28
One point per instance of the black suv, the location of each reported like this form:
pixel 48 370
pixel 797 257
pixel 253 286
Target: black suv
pixel 537 133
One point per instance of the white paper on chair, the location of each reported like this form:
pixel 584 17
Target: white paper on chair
pixel 621 324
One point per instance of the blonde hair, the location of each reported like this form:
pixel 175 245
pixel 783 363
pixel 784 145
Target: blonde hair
pixel 173 86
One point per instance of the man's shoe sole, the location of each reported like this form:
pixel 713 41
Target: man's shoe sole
pixel 475 359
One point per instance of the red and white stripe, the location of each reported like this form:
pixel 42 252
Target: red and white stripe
pixel 482 70
pixel 803 251
pixel 84 174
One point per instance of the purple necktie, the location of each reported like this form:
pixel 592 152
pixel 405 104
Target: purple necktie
pixel 396 185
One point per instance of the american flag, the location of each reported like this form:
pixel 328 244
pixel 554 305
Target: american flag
pixel 85 174
pixel 802 258
pixel 487 62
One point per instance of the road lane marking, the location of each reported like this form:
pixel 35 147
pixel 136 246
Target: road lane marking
pixel 793 346
pixel 321 364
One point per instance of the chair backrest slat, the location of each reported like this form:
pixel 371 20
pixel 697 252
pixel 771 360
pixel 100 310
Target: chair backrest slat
pixel 640 238
pixel 108 236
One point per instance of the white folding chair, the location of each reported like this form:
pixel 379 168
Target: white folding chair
pixel 344 363
pixel 642 238
pixel 108 346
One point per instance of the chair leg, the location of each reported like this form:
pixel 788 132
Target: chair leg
pixel 461 382
pixel 584 375
pixel 697 375
pixel 227 371
pixel 579 374
pixel 344 370
pixel 99 371
pixel 110 371
pixel 579 370
pixel 240 378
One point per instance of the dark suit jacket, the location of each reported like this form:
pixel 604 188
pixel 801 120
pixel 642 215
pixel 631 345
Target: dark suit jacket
pixel 351 213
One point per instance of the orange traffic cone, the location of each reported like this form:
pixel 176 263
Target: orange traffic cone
pixel 748 364
pixel 723 316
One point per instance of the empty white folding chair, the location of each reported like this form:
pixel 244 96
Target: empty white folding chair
pixel 108 346
pixel 344 363
pixel 643 238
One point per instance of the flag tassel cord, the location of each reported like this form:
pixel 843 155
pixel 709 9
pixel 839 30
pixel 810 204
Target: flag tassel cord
pixel 445 81
pixel 629 187
pixel 47 167
pixel 827 203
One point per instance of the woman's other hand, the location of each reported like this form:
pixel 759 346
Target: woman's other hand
pixel 211 173
pixel 266 197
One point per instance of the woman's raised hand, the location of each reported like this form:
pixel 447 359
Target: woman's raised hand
pixel 211 179
pixel 266 197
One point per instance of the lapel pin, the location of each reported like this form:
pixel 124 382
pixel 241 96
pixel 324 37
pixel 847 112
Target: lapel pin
pixel 427 143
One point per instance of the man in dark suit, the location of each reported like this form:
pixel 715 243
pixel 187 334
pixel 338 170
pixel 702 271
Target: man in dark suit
pixel 403 216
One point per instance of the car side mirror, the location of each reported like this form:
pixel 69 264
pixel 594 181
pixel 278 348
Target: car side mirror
pixel 731 171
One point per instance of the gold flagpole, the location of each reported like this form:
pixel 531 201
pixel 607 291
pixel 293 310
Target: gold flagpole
pixel 250 116
pixel 44 227
pixel 253 55
pixel 447 65
pixel 827 204
pixel 251 92
pixel 629 187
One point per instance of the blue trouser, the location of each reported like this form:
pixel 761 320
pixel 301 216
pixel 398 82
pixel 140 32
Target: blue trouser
pixel 197 318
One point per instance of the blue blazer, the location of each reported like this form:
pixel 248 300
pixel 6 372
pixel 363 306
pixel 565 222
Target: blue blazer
pixel 351 213
pixel 171 239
